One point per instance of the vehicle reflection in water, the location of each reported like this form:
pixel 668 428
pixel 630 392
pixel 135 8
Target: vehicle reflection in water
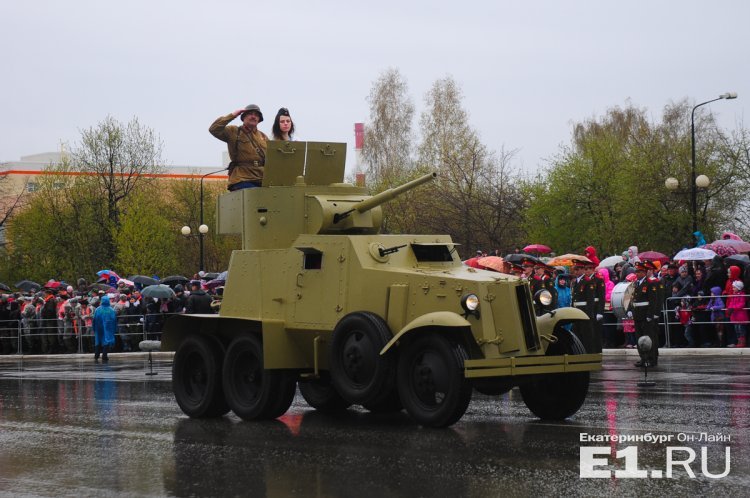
pixel 317 457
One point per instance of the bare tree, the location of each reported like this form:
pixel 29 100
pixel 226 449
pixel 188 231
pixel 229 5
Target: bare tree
pixel 388 140
pixel 475 198
pixel 121 156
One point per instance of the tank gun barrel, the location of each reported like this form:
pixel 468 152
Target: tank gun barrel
pixel 384 196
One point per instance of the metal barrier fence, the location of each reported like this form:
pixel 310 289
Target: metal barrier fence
pixel 669 319
pixel 668 312
pixel 75 335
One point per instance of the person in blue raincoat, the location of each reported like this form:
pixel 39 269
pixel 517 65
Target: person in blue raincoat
pixel 105 326
pixel 562 286
pixel 699 239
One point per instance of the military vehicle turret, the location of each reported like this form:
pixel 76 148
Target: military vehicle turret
pixel 318 297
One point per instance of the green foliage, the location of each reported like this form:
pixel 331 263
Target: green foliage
pixel 146 239
pixel 607 188
pixel 184 210
pixel 59 233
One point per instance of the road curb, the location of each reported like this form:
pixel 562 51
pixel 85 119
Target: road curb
pixel 682 352
pixel 157 355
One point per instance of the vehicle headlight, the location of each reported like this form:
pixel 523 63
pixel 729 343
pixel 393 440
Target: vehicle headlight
pixel 543 297
pixel 470 303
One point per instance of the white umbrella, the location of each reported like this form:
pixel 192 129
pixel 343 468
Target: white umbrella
pixel 610 262
pixel 694 254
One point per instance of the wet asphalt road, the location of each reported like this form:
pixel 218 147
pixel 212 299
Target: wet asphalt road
pixel 69 427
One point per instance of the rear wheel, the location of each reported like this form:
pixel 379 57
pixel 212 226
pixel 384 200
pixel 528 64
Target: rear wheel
pixel 358 371
pixel 251 391
pixel 196 378
pixel 431 382
pixel 320 394
pixel 557 396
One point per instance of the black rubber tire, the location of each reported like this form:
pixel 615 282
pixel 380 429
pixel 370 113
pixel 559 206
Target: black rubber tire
pixel 391 404
pixel 358 371
pixel 431 382
pixel 196 378
pixel 557 396
pixel 252 392
pixel 321 395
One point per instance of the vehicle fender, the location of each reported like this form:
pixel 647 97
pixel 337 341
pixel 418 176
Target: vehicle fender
pixel 546 323
pixel 435 319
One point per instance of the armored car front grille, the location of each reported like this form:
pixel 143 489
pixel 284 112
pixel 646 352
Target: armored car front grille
pixel 528 319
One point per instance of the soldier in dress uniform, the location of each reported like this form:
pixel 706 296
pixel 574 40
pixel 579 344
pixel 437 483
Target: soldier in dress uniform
pixel 661 297
pixel 584 298
pixel 516 270
pixel 542 280
pixel 645 311
pixel 528 268
pixel 597 315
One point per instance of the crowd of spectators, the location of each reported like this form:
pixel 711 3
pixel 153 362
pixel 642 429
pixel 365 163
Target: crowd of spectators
pixel 58 318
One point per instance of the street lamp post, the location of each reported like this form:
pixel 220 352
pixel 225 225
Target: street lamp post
pixel 694 180
pixel 202 228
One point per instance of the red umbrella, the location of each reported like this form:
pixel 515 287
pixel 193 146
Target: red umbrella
pixel 537 248
pixel 52 284
pixel 654 256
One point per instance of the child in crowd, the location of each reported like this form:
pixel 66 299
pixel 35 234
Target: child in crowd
pixel 628 327
pixel 716 305
pixel 737 314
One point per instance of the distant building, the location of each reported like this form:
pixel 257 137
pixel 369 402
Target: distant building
pixel 23 176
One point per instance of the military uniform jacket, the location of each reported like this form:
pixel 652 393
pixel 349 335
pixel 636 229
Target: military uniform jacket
pixel 246 152
pixel 599 300
pixel 660 291
pixel 536 284
pixel 584 295
pixel 644 303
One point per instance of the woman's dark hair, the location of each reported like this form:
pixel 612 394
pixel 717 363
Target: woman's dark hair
pixel 277 129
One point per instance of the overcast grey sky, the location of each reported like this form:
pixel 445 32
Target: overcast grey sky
pixel 528 70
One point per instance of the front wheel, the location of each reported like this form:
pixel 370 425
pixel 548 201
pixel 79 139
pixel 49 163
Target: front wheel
pixel 557 396
pixel 196 378
pixel 431 382
pixel 359 373
pixel 251 391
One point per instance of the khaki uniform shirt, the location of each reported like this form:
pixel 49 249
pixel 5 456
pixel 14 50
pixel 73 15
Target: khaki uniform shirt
pixel 248 162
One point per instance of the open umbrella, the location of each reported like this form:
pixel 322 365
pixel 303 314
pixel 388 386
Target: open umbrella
pixel 738 245
pixel 211 275
pixel 537 248
pixel 108 274
pixel 126 282
pixel 567 260
pixel 4 287
pixel 143 280
pixel 738 259
pixel 694 254
pixel 173 280
pixel 721 250
pixel 52 284
pixel 159 291
pixel 519 258
pixel 28 286
pixel 654 256
pixel 493 262
pixel 610 262
pixel 217 282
